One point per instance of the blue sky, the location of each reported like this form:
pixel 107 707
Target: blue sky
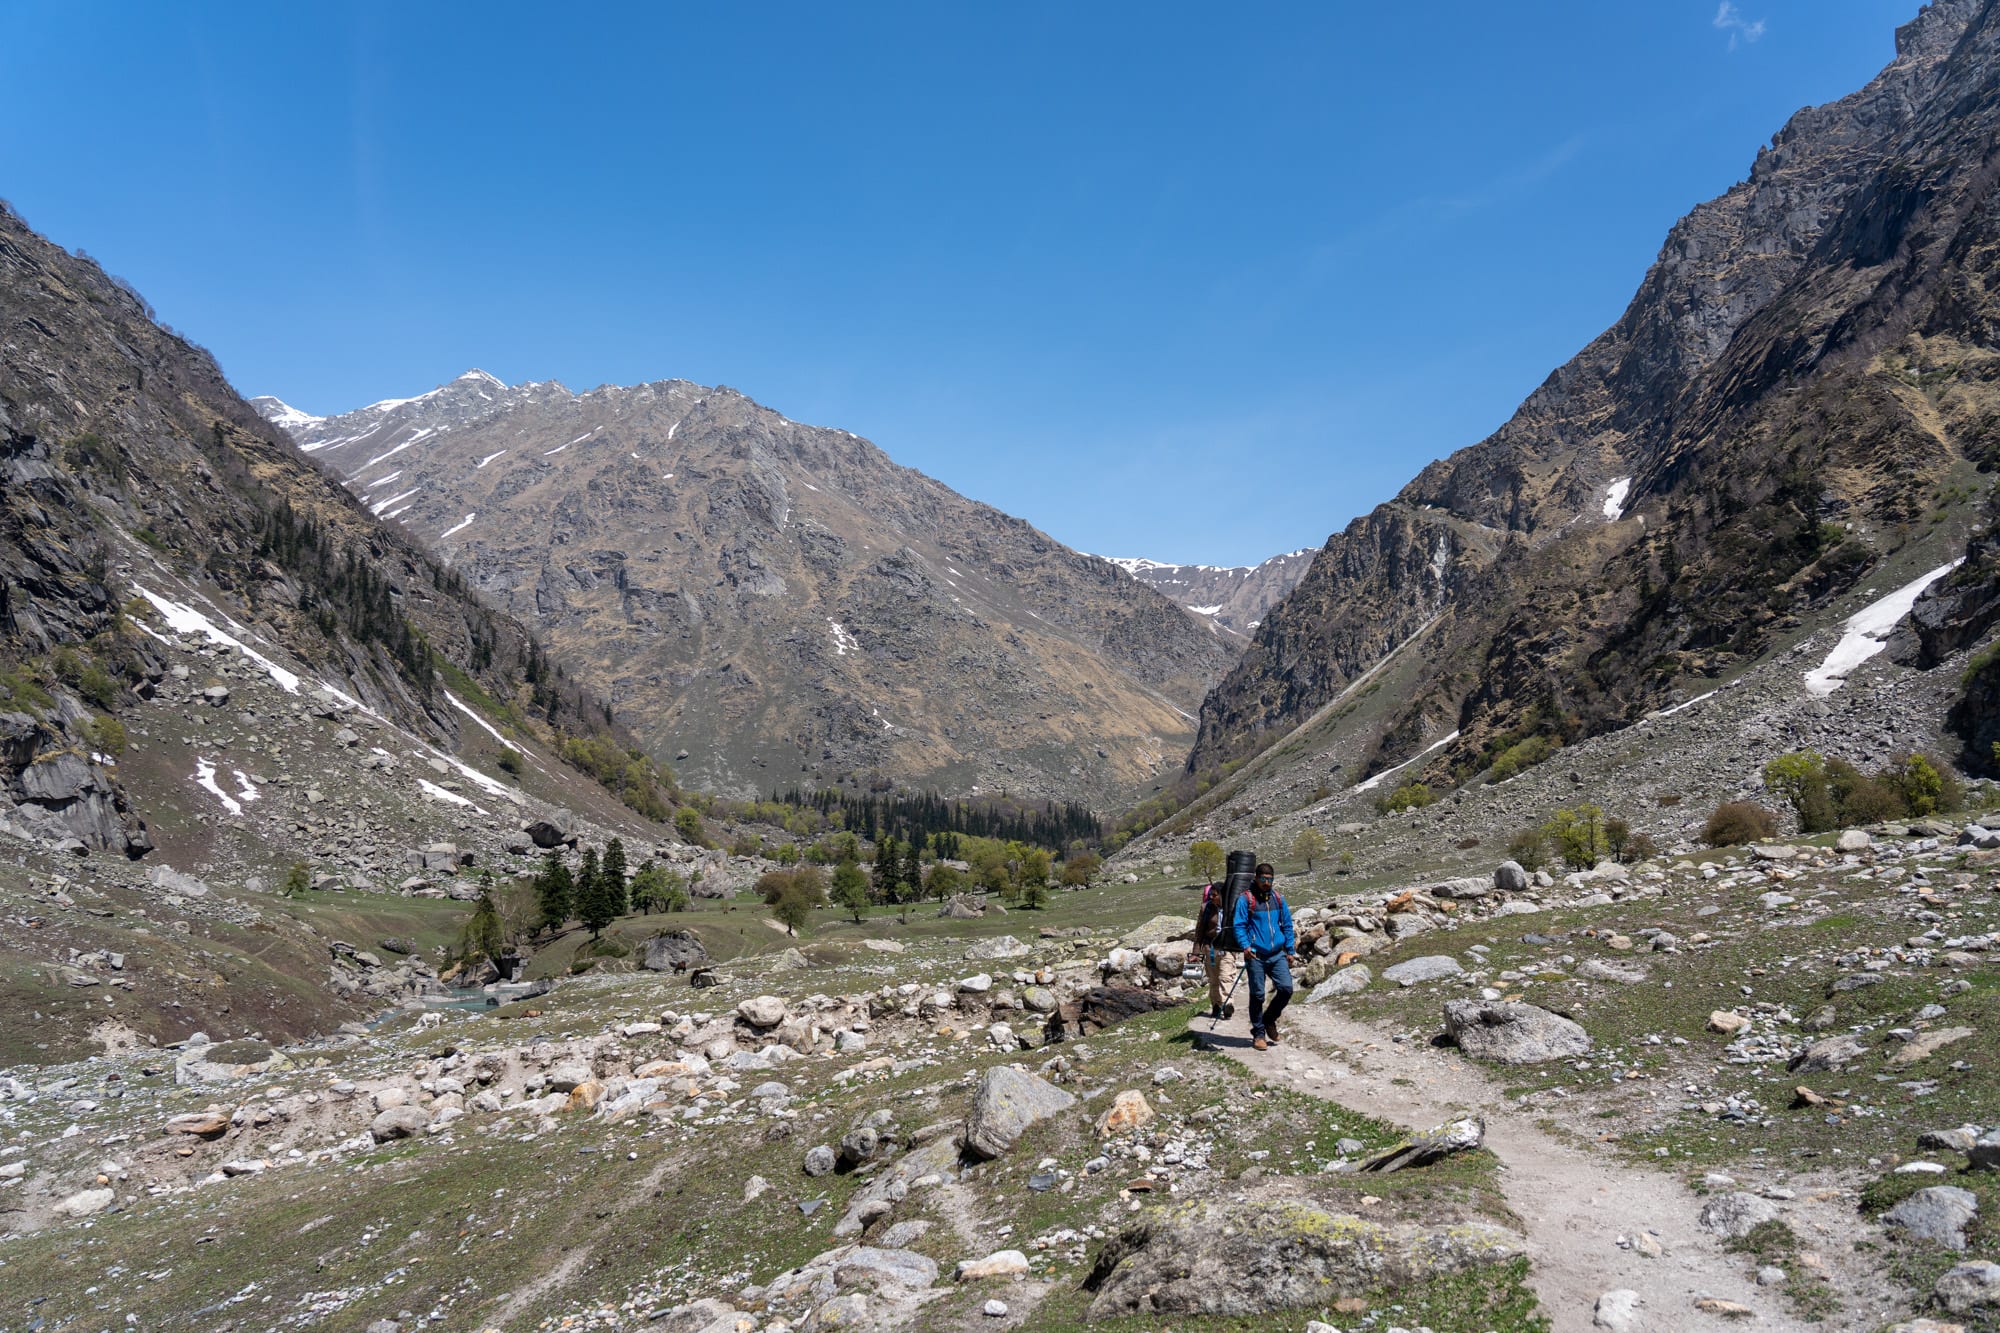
pixel 1190 281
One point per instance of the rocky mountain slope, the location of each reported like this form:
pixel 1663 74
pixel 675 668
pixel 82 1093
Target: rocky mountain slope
pixel 216 666
pixel 774 604
pixel 1798 404
pixel 1234 597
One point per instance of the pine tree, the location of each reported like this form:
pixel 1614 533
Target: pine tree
pixel 555 890
pixel 613 870
pixel 593 903
pixel 913 870
pixel 888 868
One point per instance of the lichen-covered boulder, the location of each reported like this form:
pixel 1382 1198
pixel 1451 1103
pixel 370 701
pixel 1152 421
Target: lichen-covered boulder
pixel 1237 1257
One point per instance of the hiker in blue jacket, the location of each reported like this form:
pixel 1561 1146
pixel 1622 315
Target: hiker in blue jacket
pixel 1264 929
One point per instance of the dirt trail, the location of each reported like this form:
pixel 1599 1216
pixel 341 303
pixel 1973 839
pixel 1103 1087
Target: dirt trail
pixel 1574 1203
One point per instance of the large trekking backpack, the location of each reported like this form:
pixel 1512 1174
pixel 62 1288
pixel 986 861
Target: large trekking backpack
pixel 1236 882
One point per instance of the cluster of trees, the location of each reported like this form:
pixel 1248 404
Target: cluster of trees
pixel 600 891
pixel 1827 794
pixel 1579 837
pixel 340 591
pixel 918 817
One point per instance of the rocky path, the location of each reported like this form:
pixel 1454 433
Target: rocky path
pixel 1574 1203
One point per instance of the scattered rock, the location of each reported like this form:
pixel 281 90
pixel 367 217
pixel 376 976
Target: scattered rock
pixel 1617 1310
pixel 1727 1023
pixel 1735 1215
pixel 1129 1110
pixel 1349 980
pixel 1001 1263
pixel 762 1011
pixel 398 1122
pixel 1970 1286
pixel 1826 1054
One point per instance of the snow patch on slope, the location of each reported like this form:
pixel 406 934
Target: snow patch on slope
pixel 1867 632
pixel 1614 499
pixel 186 620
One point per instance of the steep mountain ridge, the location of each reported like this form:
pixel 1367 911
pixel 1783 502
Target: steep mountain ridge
pixel 1232 597
pixel 776 604
pixel 1798 378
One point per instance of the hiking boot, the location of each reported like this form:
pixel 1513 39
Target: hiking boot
pixel 1228 1011
pixel 1258 1043
pixel 1216 1015
pixel 1271 1031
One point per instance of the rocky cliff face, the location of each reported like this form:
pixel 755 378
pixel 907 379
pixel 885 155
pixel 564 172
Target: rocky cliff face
pixel 775 604
pixel 1233 598
pixel 1803 380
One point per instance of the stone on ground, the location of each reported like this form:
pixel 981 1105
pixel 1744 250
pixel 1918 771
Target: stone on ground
pixel 1235 1257
pixel 1349 980
pixel 1939 1214
pixel 1434 967
pixel 1008 1102
pixel 1512 1034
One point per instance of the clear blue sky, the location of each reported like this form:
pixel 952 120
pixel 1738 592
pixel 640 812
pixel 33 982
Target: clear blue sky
pixel 1190 281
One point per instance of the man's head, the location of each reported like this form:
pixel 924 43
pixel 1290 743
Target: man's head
pixel 1265 878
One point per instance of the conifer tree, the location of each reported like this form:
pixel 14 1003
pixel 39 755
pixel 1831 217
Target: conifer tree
pixel 612 868
pixel 554 889
pixel 593 902
pixel 888 868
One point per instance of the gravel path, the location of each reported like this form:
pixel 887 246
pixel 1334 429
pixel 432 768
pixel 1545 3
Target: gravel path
pixel 1574 1203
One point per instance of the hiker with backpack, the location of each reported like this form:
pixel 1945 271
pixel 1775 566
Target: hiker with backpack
pixel 1217 955
pixel 1263 929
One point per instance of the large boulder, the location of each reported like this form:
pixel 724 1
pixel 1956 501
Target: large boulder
pixel 1826 1054
pixel 1736 1215
pixel 1511 878
pixel 1238 1258
pixel 1512 1034
pixel 398 1122
pixel 1101 1007
pixel 762 1011
pixel 1008 1103
pixel 1432 968
pixel 675 951
pixel 996 947
pixel 1939 1214
pixel 1159 930
pixel 555 829
pixel 1970 1287
pixel 1349 980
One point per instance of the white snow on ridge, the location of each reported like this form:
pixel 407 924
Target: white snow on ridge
pixel 1614 499
pixel 1376 781
pixel 457 527
pixel 186 620
pixel 551 453
pixel 843 642
pixel 1207 610
pixel 289 418
pixel 484 461
pixel 1867 632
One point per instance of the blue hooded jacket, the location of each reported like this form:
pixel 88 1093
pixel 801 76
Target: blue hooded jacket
pixel 1265 928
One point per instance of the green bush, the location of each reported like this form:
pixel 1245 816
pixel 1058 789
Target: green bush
pixel 1926 784
pixel 1528 849
pixel 1409 796
pixel 1801 779
pixel 104 733
pixel 1520 757
pixel 1735 823
pixel 1577 836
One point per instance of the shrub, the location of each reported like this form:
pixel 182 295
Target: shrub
pixel 1641 848
pixel 1801 779
pixel 1577 836
pixel 1409 796
pixel 104 733
pixel 1617 837
pixel 510 763
pixel 1926 783
pixel 1520 757
pixel 687 823
pixel 1735 823
pixel 297 880
pixel 1205 859
pixel 1528 849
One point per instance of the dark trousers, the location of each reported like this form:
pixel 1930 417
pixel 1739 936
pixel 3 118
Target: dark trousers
pixel 1278 969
